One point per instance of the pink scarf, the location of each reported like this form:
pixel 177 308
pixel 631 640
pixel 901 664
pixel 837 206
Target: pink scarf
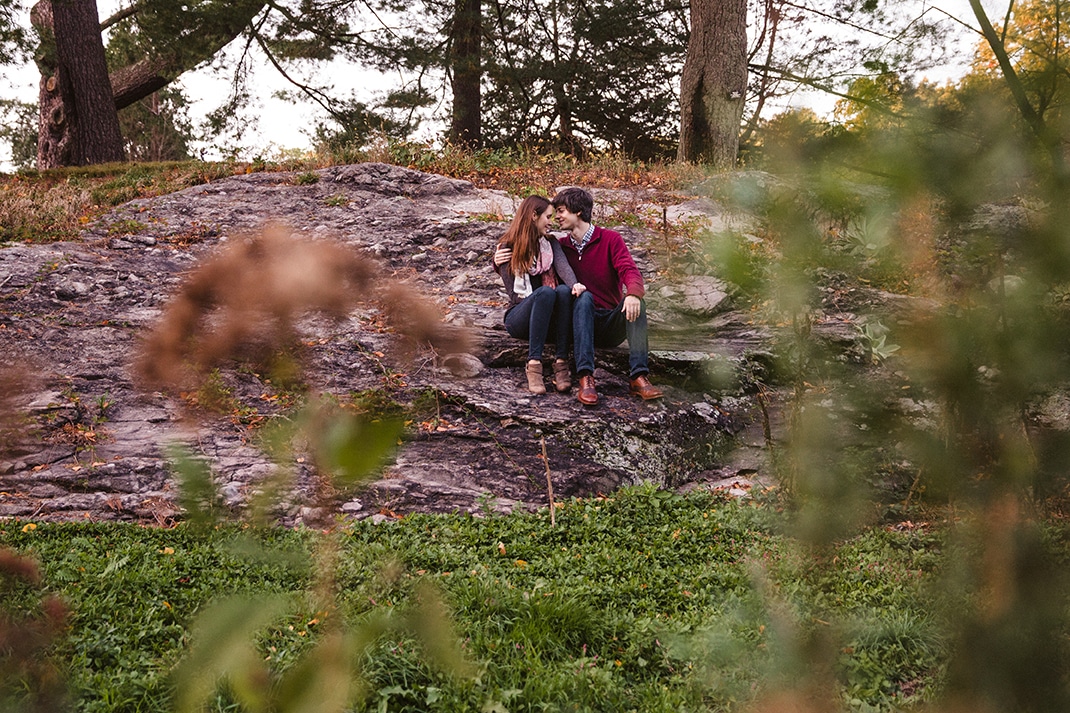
pixel 544 264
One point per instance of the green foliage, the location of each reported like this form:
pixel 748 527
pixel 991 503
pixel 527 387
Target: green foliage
pixel 640 601
pixel 19 131
pixel 157 128
pixel 125 227
pixel 351 129
pixel 539 61
pixel 958 203
pixel 214 395
pixel 14 39
pixel 223 648
pixel 197 491
pixel 740 259
pixel 875 340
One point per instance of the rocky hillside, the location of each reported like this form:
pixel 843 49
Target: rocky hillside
pixel 86 438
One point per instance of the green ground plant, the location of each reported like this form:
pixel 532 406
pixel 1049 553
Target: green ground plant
pixel 642 601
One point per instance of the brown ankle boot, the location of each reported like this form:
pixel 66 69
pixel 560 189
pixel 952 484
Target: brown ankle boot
pixel 562 378
pixel 535 382
pixel 588 394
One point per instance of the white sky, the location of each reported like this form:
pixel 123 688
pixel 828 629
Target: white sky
pixel 275 124
pixel 278 124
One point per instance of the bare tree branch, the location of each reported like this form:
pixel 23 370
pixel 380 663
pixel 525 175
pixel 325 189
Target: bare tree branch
pixel 1014 82
pixel 121 15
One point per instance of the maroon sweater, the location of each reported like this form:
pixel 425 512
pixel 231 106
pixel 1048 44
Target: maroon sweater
pixel 605 268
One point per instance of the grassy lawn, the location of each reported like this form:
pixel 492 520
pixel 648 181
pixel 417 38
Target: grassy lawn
pixel 645 601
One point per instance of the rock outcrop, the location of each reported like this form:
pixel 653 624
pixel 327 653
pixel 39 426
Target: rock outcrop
pixel 84 438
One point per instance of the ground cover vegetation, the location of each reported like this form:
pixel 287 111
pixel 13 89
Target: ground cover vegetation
pixel 54 205
pixel 638 601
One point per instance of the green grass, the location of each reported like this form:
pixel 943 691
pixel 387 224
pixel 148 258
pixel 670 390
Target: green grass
pixel 646 601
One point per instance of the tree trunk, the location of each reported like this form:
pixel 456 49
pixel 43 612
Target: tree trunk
pixel 72 134
pixel 567 142
pixel 713 83
pixel 78 121
pixel 465 127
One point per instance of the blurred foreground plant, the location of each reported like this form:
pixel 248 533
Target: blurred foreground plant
pixel 247 303
pixel 29 679
pixel 962 415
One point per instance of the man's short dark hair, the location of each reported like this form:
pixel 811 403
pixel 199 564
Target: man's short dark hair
pixel 577 201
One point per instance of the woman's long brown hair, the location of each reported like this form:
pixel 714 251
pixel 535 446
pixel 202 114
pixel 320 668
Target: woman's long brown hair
pixel 522 235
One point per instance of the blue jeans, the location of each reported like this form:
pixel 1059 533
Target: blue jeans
pixel 593 327
pixel 544 315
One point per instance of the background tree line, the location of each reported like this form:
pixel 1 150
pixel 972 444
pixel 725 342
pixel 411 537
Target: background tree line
pixel 652 80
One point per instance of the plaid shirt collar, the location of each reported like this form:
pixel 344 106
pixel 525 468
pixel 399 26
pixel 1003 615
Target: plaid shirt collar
pixel 583 241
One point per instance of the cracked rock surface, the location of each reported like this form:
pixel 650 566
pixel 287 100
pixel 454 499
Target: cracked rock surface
pixel 83 438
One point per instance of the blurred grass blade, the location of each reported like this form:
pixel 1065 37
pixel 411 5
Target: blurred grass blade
pixel 198 495
pixel 223 650
pixel 326 680
pixel 432 625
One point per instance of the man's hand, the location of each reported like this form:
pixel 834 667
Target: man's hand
pixel 502 256
pixel 578 289
pixel 632 307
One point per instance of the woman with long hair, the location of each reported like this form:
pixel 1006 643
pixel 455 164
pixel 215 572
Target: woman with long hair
pixel 540 284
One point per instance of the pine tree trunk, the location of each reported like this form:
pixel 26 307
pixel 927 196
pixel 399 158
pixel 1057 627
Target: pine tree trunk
pixel 713 83
pixel 466 127
pixel 78 121
pixel 567 142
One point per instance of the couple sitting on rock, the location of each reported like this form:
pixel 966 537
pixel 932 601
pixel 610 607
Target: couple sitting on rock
pixel 571 287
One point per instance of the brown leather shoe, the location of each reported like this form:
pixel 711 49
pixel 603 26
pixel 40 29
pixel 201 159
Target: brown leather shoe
pixel 587 394
pixel 642 388
pixel 562 378
pixel 534 374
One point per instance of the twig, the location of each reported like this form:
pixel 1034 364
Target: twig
pixel 501 447
pixel 767 429
pixel 549 483
pixel 7 279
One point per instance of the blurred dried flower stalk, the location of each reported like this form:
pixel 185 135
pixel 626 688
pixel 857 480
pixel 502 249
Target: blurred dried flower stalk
pixel 246 303
pixel 15 385
pixel 29 678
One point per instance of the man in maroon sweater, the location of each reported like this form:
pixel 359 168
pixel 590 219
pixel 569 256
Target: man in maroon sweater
pixel 604 315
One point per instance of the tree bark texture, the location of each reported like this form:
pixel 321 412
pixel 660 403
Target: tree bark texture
pixel 78 121
pixel 70 58
pixel 139 80
pixel 465 126
pixel 713 83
